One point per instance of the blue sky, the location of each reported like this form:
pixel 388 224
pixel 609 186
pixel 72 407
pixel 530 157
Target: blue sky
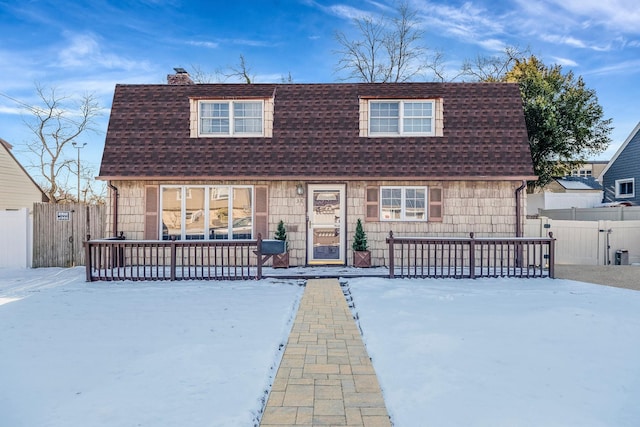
pixel 89 46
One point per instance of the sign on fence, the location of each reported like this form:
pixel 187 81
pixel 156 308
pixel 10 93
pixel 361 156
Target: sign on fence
pixel 64 215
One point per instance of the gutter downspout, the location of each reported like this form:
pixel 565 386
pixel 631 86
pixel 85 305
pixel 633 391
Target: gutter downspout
pixel 518 192
pixel 116 196
pixel 519 254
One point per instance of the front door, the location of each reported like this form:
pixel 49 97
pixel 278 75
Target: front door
pixel 325 231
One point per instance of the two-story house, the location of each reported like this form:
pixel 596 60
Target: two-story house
pixel 229 161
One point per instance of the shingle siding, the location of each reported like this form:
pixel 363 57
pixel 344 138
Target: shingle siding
pixel 626 165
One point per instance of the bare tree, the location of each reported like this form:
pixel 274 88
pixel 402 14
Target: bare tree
pixel 55 124
pixel 241 71
pixel 94 192
pixel 493 68
pixel 388 49
pixel 198 75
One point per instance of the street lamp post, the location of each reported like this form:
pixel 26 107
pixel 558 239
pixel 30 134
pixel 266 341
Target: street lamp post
pixel 78 146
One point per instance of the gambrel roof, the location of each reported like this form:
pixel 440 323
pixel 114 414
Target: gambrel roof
pixel 316 134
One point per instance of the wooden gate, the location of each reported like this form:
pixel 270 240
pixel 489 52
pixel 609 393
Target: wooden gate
pixel 59 231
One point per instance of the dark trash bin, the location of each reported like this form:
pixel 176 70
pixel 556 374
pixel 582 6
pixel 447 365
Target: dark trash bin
pixel 622 257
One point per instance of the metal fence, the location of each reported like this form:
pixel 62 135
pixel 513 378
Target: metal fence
pixel 470 257
pixel 119 259
pixel 115 259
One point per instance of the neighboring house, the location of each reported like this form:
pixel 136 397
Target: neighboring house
pixel 228 161
pixel 590 169
pixel 566 192
pixel 621 175
pixel 18 189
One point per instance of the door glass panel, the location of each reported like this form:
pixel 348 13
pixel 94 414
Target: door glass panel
pixel 326 224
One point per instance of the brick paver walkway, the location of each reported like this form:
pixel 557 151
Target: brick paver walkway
pixel 325 376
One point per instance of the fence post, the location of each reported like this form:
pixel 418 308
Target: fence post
pixel 552 256
pixel 87 259
pixel 391 264
pixel 258 253
pixel 173 266
pixel 472 256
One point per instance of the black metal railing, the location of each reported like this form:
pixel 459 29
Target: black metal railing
pixel 420 257
pixel 470 257
pixel 118 259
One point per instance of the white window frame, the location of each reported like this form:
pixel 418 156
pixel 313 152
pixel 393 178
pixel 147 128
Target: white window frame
pixel 231 118
pixel 619 182
pixel 401 117
pixel 403 203
pixel 207 208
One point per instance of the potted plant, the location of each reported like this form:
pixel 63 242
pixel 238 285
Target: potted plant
pixel 281 260
pixel 361 254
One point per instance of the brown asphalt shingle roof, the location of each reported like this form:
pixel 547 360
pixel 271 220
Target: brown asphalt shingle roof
pixel 316 134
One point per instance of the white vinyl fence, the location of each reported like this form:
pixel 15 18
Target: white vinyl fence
pixel 16 228
pixel 590 242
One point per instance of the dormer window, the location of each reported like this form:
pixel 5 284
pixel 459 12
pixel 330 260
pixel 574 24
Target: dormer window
pixel 391 118
pixel 401 117
pixel 231 118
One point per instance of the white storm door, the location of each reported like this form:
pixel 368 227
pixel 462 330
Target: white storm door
pixel 326 225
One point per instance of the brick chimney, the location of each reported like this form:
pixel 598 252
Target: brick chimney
pixel 181 77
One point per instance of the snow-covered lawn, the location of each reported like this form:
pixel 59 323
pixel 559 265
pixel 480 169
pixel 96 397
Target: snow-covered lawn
pixel 487 352
pixel 137 354
pixel 498 352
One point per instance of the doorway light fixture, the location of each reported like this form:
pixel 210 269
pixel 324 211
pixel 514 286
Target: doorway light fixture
pixel 300 190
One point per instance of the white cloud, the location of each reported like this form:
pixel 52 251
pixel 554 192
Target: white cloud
pixel 84 50
pixel 627 67
pixel 348 12
pixel 208 45
pixel 11 110
pixel 620 15
pixel 565 40
pixel 565 62
pixel 493 44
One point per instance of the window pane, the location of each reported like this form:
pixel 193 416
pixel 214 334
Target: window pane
pixel 417 109
pixel 219 213
pixel 214 117
pixel 247 117
pixel 194 214
pixel 417 125
pixel 391 203
pixel 384 117
pixel 415 203
pixel 171 213
pixel 242 219
pixel 417 117
pixel 385 109
pixel 247 125
pixel 626 188
pixel 247 109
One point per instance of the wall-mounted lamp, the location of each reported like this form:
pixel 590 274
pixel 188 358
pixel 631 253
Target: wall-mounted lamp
pixel 300 190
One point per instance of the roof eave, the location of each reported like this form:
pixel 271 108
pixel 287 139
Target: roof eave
pixel 318 178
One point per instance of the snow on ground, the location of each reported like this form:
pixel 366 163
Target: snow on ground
pixel 489 352
pixel 503 352
pixel 138 353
